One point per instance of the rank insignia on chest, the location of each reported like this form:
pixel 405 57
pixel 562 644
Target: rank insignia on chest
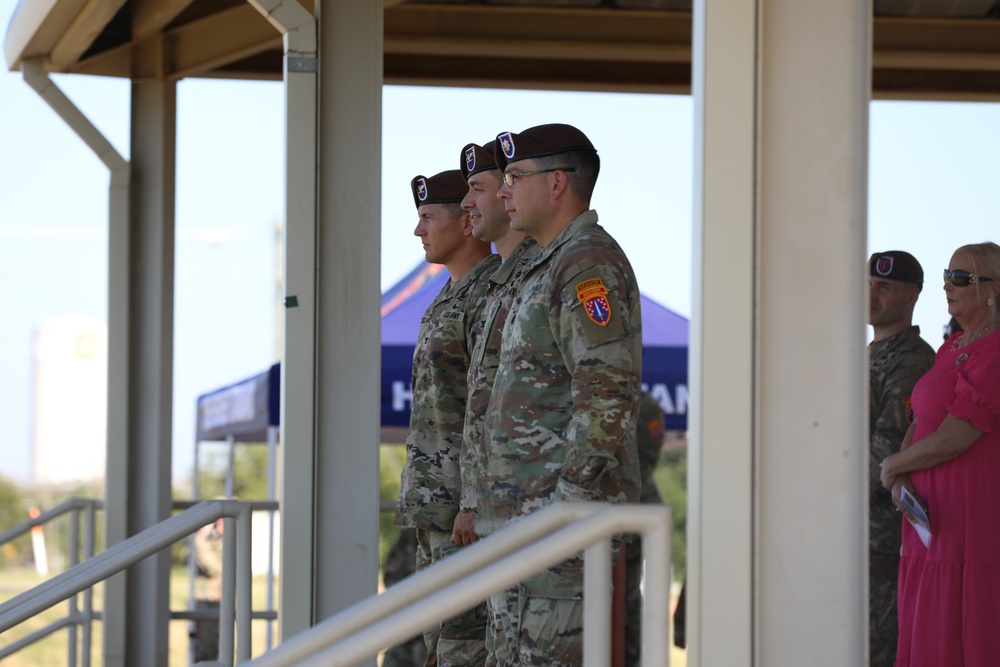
pixel 593 295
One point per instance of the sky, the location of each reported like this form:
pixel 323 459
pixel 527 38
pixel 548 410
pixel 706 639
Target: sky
pixel 933 174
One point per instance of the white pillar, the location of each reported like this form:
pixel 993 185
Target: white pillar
pixel 299 393
pixel 777 495
pixel 349 298
pixel 140 379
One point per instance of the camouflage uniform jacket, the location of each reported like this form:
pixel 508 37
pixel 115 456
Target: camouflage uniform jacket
pixel 561 423
pixel 649 440
pixel 430 484
pixel 500 293
pixel 896 364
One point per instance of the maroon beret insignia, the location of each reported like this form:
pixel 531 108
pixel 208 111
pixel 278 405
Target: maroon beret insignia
pixel 507 144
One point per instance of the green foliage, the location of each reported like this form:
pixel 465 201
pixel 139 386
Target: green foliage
pixel 249 471
pixel 14 506
pixel 12 512
pixel 391 460
pixel 250 479
pixel 671 479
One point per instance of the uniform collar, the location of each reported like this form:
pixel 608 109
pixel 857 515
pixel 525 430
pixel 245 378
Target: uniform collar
pixel 577 226
pixel 506 270
pixel 897 338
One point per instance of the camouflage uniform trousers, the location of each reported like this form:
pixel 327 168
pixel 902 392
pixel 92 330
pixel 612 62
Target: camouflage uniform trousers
pixel 501 632
pixel 411 654
pixel 527 629
pixel 550 632
pixel 461 640
pixel 206 633
pixel 883 631
pixel 633 602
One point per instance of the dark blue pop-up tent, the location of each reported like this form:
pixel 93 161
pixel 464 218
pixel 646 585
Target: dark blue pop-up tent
pixel 664 364
pixel 248 411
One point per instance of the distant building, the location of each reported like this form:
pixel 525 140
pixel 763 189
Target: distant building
pixel 70 401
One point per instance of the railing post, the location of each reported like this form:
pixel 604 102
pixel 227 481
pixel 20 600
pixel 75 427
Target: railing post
pixel 227 605
pixel 244 579
pixel 74 558
pixel 597 605
pixel 656 592
pixel 89 546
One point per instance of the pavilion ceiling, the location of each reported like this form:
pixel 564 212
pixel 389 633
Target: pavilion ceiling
pixel 927 49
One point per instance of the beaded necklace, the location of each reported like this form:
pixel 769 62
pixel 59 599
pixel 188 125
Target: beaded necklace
pixel 965 339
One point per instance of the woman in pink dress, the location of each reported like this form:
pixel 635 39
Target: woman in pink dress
pixel 949 590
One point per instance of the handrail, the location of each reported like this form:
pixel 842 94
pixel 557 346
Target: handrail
pixel 491 565
pixel 146 543
pixel 62 508
pixel 74 507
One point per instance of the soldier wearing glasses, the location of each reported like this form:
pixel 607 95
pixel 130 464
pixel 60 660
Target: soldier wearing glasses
pixel 561 423
pixel 898 358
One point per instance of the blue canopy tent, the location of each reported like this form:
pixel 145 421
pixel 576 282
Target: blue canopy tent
pixel 664 364
pixel 248 410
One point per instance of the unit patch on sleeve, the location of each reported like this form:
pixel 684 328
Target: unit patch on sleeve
pixel 655 428
pixel 593 295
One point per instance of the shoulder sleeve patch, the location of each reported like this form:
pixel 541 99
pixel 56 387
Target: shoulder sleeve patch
pixel 594 301
pixel 909 409
pixel 594 296
pixel 655 428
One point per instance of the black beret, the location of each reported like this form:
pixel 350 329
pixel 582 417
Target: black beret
pixel 539 141
pixel 443 188
pixel 896 265
pixel 476 158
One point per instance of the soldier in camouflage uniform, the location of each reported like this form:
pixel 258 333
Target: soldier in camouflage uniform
pixel 400 563
pixel 208 589
pixel 431 485
pixel 491 223
pixel 898 358
pixel 561 422
pixel 649 439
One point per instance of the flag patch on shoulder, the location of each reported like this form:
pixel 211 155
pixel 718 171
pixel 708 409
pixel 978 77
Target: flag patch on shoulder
pixel 593 295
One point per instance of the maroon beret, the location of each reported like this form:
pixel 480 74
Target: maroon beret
pixel 476 158
pixel 896 265
pixel 443 188
pixel 539 141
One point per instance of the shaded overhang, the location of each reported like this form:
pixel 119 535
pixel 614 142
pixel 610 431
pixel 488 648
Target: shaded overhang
pixel 933 49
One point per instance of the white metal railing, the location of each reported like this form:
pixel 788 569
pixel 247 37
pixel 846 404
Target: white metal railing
pixel 236 572
pixel 75 507
pixel 541 540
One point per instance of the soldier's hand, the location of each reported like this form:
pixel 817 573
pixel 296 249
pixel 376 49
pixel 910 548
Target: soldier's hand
pixel 464 532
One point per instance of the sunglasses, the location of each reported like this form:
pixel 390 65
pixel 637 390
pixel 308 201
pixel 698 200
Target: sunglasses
pixel 512 176
pixel 960 278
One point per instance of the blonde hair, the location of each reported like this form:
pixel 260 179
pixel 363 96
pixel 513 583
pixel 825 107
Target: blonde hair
pixel 985 261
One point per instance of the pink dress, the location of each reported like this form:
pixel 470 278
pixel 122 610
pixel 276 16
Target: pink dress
pixel 949 594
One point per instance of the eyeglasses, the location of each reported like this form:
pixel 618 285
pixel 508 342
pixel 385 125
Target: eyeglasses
pixel 512 176
pixel 960 278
